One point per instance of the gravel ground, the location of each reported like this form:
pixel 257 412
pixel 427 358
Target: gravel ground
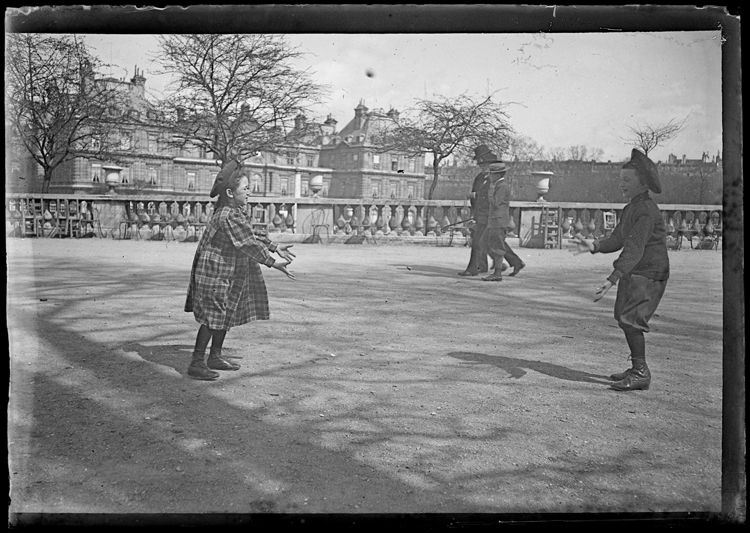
pixel 383 383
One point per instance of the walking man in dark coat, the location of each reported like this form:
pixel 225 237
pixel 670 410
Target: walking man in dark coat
pixel 480 207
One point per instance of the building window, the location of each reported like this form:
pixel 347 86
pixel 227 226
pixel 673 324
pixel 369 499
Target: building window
pixel 125 141
pixel 411 192
pixel 310 161
pixel 284 186
pixel 255 183
pixel 125 175
pixel 376 161
pixel 96 173
pixel 411 164
pixel 191 181
pixel 375 189
pixel 394 189
pixel 305 189
pixel 152 145
pixel 394 162
pixel 324 191
pixel 153 176
pixel 355 157
pixel 290 161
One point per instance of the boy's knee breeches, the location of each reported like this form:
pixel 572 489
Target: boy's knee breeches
pixel 637 300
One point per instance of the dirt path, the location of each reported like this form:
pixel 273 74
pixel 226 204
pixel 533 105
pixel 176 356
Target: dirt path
pixel 383 383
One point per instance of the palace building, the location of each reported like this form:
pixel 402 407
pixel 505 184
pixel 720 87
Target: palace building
pixel 346 160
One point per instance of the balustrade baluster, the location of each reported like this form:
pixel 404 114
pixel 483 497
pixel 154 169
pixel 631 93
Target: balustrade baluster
pixel 366 224
pixel 380 225
pixel 578 226
pixel 419 225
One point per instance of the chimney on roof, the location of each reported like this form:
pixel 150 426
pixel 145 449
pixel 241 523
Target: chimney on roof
pixel 299 121
pixel 393 114
pixel 138 78
pixel 359 115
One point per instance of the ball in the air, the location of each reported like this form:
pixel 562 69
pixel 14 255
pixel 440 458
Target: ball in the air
pixel 370 73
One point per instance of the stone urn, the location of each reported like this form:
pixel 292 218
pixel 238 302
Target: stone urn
pixel 542 185
pixel 112 179
pixel 316 184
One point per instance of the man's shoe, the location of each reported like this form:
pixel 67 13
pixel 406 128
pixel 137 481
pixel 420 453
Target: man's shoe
pixel 517 269
pixel 638 379
pixel 493 277
pixel 467 273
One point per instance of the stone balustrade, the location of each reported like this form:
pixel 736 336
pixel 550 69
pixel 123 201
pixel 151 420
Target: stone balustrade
pixel 307 219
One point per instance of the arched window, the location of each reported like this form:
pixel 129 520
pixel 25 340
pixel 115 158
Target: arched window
pixel 96 173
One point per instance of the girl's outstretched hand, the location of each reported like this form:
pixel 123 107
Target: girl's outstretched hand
pixel 284 253
pixel 281 267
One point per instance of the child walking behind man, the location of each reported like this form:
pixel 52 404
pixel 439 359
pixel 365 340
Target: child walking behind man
pixel 641 271
pixel 226 283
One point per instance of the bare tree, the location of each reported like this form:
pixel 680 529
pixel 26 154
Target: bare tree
pixel 54 106
pixel 522 148
pixel 556 155
pixel 647 137
pixel 446 126
pixel 233 94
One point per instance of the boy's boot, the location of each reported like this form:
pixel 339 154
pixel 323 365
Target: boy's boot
pixel 638 379
pixel 198 369
pixel 619 376
pixel 217 363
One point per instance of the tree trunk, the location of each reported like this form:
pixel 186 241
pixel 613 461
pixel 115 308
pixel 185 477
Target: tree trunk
pixel 435 176
pixel 47 180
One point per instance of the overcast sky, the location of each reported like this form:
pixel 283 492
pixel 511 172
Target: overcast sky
pixel 561 89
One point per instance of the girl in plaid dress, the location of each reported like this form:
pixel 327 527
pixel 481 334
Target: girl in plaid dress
pixel 226 283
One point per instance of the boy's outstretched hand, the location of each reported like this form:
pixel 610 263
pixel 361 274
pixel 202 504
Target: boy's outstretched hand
pixel 281 267
pixel 601 291
pixel 284 253
pixel 582 244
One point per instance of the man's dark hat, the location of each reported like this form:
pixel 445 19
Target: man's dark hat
pixel 483 154
pixel 225 174
pixel 647 169
pixel 497 168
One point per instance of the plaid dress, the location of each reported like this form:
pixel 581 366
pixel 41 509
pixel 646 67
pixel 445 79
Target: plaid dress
pixel 226 283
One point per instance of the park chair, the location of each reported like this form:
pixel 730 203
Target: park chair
pixel 317 220
pixel 610 221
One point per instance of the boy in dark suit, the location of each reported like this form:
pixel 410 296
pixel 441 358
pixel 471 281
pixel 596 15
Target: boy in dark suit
pixel 498 223
pixel 642 269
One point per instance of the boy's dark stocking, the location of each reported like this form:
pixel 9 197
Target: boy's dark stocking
pixel 215 360
pixel 639 376
pixel 197 368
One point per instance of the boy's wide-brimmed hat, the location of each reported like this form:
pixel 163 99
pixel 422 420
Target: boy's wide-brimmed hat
pixel 483 154
pixel 498 168
pixel 224 175
pixel 647 169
